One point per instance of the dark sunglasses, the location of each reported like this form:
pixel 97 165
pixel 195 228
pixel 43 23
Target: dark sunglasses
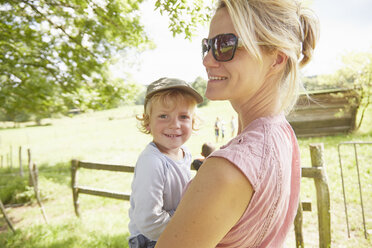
pixel 223 46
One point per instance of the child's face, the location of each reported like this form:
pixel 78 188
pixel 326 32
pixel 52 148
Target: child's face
pixel 170 126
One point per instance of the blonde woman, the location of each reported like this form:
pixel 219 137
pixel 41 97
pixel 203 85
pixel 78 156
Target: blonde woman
pixel 246 193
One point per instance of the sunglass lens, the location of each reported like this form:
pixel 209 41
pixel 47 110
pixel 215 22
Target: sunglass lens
pixel 224 47
pixel 205 47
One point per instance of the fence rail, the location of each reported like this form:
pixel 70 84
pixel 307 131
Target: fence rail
pixel 108 167
pixel 80 189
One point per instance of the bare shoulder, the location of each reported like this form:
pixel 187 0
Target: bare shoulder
pixel 217 197
pixel 225 182
pixel 222 170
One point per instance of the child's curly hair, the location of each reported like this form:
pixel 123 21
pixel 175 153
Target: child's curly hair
pixel 171 97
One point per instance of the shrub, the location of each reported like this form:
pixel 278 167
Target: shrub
pixel 15 189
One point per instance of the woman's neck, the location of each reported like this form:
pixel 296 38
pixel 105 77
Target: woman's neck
pixel 264 103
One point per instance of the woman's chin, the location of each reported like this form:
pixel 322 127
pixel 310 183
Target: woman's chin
pixel 213 96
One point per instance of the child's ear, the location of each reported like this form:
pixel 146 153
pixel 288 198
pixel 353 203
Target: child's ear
pixel 148 128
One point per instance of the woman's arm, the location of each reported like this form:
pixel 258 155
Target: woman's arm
pixel 211 206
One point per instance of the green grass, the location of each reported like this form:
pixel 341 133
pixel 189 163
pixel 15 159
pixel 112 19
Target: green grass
pixel 112 137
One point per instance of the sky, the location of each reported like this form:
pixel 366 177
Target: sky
pixel 345 26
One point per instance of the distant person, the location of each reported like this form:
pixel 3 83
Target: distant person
pixel 207 149
pixel 233 126
pixel 163 168
pixel 222 129
pixel 217 126
pixel 246 193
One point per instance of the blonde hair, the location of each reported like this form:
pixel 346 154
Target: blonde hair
pixel 171 97
pixel 283 25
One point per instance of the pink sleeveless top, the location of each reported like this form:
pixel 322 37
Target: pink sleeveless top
pixel 267 153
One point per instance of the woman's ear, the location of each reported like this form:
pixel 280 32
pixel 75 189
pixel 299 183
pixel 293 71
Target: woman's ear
pixel 280 60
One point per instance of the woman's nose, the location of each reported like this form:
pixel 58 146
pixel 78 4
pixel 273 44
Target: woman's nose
pixel 209 61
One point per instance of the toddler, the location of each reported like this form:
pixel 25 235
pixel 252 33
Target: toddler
pixel 163 168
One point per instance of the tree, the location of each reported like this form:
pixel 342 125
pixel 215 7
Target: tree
pixel 200 84
pixel 183 15
pixel 360 64
pixel 55 53
pixel 356 73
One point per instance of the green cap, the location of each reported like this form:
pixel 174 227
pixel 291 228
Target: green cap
pixel 171 83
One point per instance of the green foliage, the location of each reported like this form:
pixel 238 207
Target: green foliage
pixel 183 15
pixel 140 99
pixel 200 85
pixel 356 73
pixel 361 65
pixel 316 83
pixel 55 54
pixel 14 189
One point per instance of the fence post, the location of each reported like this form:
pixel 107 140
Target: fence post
pixel 34 178
pixel 298 226
pixel 322 195
pixel 35 172
pixel 11 157
pixel 6 216
pixel 74 167
pixel 29 168
pixel 20 161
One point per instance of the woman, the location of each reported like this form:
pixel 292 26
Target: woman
pixel 246 194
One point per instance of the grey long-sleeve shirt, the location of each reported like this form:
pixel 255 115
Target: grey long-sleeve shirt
pixel 157 188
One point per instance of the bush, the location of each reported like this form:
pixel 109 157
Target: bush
pixel 15 189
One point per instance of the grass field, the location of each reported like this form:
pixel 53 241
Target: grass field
pixel 112 136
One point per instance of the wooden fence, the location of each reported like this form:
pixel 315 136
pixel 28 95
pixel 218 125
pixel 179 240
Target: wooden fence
pixel 33 182
pixel 9 159
pixel 325 113
pixel 316 172
pixel 79 189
